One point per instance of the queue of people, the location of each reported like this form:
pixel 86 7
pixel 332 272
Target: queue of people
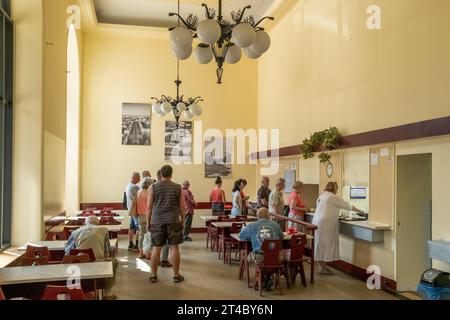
pixel 165 210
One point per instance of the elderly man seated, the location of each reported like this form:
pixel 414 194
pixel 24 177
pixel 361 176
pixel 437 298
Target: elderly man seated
pixel 257 232
pixel 95 237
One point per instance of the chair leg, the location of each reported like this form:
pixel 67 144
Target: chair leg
pixel 278 281
pixel 302 274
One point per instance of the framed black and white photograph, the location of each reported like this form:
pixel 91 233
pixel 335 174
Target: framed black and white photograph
pixel 178 142
pixel 136 124
pixel 218 157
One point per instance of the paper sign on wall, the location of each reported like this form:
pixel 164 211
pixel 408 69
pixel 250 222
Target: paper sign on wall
pixel 384 152
pixel 374 159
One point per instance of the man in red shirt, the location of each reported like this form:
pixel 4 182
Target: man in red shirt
pixel 190 205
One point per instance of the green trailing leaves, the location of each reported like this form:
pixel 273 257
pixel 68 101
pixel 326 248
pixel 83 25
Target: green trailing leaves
pixel 321 141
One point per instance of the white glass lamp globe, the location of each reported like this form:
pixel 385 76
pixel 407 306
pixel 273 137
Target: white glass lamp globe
pixel 181 107
pixel 243 35
pixel 203 54
pixel 195 109
pixel 166 107
pixel 262 42
pixel 181 38
pixel 156 107
pixel 182 54
pixel 209 31
pixel 234 54
pixel 251 54
pixel 188 114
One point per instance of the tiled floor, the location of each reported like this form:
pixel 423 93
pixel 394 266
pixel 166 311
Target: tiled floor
pixel 208 278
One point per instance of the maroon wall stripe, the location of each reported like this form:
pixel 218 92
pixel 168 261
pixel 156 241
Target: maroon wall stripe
pixel 118 206
pixel 418 130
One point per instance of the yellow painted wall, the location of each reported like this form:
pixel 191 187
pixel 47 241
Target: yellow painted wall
pixel 28 129
pixel 326 68
pixel 54 118
pixel 121 68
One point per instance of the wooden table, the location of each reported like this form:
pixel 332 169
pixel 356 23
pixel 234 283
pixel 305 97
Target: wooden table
pixel 75 218
pixel 31 281
pixel 225 224
pixel 97 212
pixel 58 244
pixel 110 228
pixel 246 245
pixel 215 218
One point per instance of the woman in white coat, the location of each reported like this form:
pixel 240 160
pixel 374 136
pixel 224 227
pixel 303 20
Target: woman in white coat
pixel 326 219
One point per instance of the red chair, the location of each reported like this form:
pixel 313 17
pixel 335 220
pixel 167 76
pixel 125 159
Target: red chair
pixel 231 244
pixel 272 265
pixel 37 252
pixel 108 209
pixel 90 209
pixel 295 263
pixel 84 258
pixel 89 252
pixel 215 232
pixel 108 221
pixel 39 261
pixel 87 214
pixel 63 293
pixel 61 235
pixel 106 214
pixel 2 296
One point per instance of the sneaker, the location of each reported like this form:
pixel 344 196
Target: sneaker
pixel 131 247
pixel 165 264
pixel 326 272
pixel 187 239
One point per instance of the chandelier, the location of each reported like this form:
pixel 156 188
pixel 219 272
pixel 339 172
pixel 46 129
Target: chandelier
pixel 178 106
pixel 220 39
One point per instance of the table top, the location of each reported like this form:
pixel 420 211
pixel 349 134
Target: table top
pixel 74 218
pixel 286 236
pixel 112 228
pixel 55 272
pixel 56 245
pixel 215 218
pixel 229 224
pixel 119 212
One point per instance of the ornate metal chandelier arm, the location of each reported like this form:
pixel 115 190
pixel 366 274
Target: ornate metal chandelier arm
pixel 198 99
pixel 165 97
pixel 208 11
pixel 242 14
pixel 182 20
pixel 262 19
pixel 156 99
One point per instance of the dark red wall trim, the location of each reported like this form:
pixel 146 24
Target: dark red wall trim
pixel 417 130
pixel 118 206
pixel 359 273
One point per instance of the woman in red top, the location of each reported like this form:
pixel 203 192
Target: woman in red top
pixel 217 199
pixel 297 208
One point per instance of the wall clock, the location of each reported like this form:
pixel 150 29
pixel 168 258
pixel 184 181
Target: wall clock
pixel 330 169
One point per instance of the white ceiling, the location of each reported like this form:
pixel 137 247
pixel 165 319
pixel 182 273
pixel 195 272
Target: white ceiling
pixel 154 13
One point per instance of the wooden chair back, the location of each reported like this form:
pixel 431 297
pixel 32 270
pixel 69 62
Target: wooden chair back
pixel 89 252
pixel 63 293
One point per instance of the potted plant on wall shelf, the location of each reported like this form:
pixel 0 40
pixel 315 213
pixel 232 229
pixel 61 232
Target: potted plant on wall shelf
pixel 322 142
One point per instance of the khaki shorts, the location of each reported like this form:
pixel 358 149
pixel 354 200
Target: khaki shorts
pixel 166 233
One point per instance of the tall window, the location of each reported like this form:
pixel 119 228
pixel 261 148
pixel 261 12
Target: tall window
pixel 6 121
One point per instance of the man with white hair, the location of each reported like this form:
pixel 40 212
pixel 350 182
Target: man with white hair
pixel 95 237
pixel 189 205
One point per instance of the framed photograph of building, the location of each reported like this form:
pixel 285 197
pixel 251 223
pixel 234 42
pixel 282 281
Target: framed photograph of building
pixel 178 142
pixel 218 157
pixel 136 124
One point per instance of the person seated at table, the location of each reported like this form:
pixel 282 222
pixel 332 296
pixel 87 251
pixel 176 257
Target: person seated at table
pixel 257 232
pixel 95 237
